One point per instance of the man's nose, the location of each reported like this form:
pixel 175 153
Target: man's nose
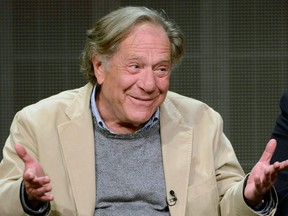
pixel 147 80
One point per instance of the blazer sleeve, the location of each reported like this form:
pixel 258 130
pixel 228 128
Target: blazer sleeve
pixel 11 168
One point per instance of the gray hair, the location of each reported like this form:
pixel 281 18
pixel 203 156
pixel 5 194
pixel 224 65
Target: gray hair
pixel 104 38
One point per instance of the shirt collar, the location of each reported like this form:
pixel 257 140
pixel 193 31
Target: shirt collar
pixel 152 121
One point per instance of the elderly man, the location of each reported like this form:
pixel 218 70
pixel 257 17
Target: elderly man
pixel 123 144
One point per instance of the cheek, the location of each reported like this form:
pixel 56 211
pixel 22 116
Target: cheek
pixel 163 84
pixel 126 82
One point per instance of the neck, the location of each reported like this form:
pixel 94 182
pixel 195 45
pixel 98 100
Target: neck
pixel 123 128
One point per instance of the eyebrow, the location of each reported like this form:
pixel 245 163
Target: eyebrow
pixel 134 57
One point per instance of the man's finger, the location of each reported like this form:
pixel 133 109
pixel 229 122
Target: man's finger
pixel 22 153
pixel 269 151
pixel 47 197
pixel 42 180
pixel 283 165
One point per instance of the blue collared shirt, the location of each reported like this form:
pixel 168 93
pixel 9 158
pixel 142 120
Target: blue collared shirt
pixel 152 121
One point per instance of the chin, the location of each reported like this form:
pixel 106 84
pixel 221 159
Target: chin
pixel 140 119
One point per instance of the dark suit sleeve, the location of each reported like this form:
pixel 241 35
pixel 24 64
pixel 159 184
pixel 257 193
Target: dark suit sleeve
pixel 280 133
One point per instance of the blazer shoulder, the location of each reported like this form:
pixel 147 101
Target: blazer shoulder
pixel 184 102
pixel 285 96
pixel 189 109
pixel 64 98
pixel 70 103
pixel 284 103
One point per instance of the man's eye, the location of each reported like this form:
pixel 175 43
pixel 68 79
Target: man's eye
pixel 133 68
pixel 162 71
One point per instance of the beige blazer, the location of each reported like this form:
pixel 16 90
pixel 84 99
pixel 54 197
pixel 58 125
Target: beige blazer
pixel 199 162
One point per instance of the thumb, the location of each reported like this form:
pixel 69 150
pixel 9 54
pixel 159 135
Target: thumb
pixel 269 151
pixel 22 153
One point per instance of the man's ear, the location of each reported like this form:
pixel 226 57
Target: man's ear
pixel 98 66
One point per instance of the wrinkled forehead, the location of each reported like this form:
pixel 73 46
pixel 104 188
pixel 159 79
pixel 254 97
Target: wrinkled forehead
pixel 147 35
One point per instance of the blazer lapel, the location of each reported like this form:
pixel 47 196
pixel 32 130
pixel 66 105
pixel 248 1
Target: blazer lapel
pixel 77 141
pixel 177 150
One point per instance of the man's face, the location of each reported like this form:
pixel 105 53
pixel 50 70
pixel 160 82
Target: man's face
pixel 136 79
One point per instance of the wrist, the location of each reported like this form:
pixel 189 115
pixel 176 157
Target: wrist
pixel 40 208
pixel 254 204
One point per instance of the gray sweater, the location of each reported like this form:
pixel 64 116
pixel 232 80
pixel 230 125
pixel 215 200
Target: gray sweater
pixel 129 173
